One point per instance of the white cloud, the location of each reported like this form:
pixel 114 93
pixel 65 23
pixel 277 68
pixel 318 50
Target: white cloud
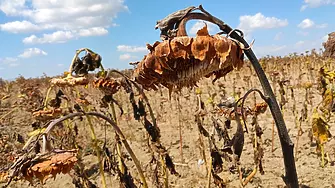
pixel 199 25
pixel 306 23
pixel 83 17
pixel 94 31
pixel 249 23
pixel 125 57
pixel 31 52
pixel 64 36
pixel 126 48
pixel 13 7
pixel 27 53
pixel 19 27
pixel 316 3
pixel 55 37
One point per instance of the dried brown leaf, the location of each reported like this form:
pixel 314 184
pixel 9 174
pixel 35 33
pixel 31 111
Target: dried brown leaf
pixel 48 114
pixel 107 85
pixel 61 162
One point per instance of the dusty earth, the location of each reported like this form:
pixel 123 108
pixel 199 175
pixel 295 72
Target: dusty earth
pixel 192 171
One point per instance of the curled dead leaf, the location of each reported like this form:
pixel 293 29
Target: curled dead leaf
pixel 108 85
pixel 44 115
pixel 320 128
pixel 50 165
pixel 230 113
pixel 260 108
pixel 82 101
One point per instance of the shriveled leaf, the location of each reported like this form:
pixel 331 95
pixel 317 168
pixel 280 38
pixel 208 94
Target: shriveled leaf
pixel 51 165
pixel 260 108
pixel 320 128
pixel 44 115
pixel 89 62
pixel 107 85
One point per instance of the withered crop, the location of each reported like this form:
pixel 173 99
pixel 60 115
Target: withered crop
pixel 182 61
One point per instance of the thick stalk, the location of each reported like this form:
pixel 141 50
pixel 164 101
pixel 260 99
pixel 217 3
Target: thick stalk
pixel 286 143
pixel 291 178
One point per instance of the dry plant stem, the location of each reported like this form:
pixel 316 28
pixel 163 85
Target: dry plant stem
pixel 47 97
pixel 140 90
pixel 243 101
pixel 209 174
pixel 240 175
pixel 165 172
pixel 116 128
pixel 97 150
pixel 152 115
pixel 297 143
pixel 251 175
pixel 201 139
pixel 291 178
pixel 286 143
pixel 118 145
pixel 180 130
pixel 8 113
pixel 322 155
pixel 202 151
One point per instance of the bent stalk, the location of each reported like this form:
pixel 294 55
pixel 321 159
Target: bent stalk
pixel 116 128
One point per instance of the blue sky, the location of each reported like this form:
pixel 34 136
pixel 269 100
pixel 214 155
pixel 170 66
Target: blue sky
pixel 41 36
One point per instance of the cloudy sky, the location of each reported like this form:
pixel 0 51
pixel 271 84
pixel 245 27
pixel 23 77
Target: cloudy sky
pixel 41 36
